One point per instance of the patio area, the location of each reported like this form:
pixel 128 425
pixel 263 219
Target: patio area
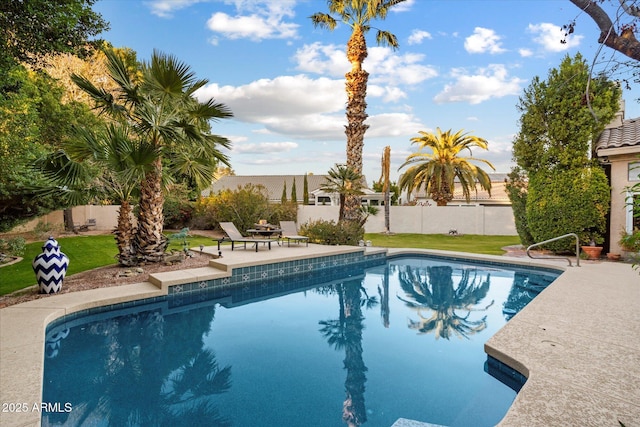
pixel 578 342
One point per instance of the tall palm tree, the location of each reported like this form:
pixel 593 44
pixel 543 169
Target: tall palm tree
pixel 344 181
pixel 158 103
pixel 437 171
pixel 357 14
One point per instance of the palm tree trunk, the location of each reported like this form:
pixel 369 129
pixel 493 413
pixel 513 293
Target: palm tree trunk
pixel 150 243
pixel 124 234
pixel 386 165
pixel 356 87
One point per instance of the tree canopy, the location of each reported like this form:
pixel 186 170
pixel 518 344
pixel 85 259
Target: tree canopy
pixel 559 121
pixel 33 123
pixel 567 190
pixel 31 29
pixel 436 170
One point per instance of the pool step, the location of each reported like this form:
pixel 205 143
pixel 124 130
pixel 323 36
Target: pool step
pixel 403 422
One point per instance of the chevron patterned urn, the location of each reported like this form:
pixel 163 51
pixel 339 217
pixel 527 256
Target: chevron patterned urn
pixel 50 267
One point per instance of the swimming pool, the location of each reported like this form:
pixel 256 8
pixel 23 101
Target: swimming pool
pixel 403 339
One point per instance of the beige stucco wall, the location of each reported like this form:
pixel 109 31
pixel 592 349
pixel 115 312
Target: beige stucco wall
pixel 106 218
pixel 619 183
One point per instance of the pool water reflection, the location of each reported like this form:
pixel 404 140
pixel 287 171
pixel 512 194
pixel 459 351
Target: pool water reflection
pixel 404 339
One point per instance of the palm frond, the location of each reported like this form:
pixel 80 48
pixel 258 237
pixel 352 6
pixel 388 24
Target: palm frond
pixel 385 38
pixel 323 20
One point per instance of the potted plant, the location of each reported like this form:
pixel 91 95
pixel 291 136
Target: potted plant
pixel 592 250
pixel 630 242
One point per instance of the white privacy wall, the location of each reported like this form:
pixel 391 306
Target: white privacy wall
pixel 483 220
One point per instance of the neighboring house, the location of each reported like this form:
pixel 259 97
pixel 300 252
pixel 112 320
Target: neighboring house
pixel 481 197
pixel 275 184
pixel 618 149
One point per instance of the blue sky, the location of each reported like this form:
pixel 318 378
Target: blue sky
pixel 462 64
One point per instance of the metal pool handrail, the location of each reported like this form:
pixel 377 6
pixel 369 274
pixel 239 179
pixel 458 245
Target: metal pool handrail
pixel 553 240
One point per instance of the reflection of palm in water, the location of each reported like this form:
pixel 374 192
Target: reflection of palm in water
pixel 432 289
pixel 525 288
pixel 143 379
pixel 346 333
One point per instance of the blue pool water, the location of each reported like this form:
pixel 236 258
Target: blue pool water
pixel 400 340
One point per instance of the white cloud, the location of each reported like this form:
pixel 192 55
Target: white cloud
pixel 417 36
pixel 165 8
pixel 252 27
pixel 383 64
pixel 549 36
pixel 393 125
pixel 403 7
pixel 387 93
pixel 264 147
pixel 290 105
pixel 322 59
pixel 525 53
pixel 490 82
pixel 483 40
pixel 389 67
pixel 256 20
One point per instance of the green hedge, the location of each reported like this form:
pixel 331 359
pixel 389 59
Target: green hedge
pixel 332 233
pixel 568 201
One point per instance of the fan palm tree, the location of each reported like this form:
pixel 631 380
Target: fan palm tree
pixel 106 164
pixel 437 171
pixel 357 14
pixel 158 103
pixel 346 182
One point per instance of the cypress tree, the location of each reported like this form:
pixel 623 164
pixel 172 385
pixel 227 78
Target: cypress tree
pixel 294 196
pixel 283 199
pixel 305 191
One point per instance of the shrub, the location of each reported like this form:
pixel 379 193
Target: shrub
pixel 177 209
pixel 332 233
pixel 568 201
pixel 630 241
pixel 516 188
pixel 244 207
pixel 14 247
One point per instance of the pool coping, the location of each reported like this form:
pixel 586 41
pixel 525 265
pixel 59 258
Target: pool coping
pixel 574 377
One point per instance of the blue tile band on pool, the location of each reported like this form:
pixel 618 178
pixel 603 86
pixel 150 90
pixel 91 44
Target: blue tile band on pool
pixel 364 342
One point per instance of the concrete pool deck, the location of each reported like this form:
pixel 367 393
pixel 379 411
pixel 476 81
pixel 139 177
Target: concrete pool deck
pixel 578 342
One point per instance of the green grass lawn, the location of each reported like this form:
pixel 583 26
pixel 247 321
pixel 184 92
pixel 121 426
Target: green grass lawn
pixel 89 252
pixel 84 252
pixel 490 245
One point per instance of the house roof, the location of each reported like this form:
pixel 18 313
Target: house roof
pixel 626 135
pixel 273 184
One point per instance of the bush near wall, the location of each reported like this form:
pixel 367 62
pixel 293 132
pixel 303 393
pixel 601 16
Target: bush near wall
pixel 244 206
pixel 568 201
pixel 332 233
pixel 517 191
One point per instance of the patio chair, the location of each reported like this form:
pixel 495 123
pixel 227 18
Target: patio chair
pixel 290 232
pixel 234 236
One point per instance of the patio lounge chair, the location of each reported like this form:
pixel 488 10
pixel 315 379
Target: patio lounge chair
pixel 290 232
pixel 234 236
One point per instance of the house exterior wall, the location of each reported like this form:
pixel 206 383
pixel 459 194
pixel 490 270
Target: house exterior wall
pixel 619 184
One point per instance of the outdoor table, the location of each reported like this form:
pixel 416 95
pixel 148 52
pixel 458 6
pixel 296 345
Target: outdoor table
pixel 264 232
